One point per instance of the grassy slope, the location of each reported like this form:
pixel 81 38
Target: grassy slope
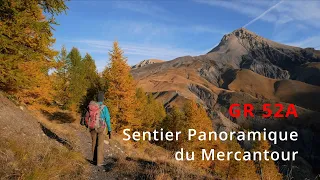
pixel 26 151
pixel 289 91
pixel 47 146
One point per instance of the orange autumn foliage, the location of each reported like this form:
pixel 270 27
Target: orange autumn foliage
pixel 120 93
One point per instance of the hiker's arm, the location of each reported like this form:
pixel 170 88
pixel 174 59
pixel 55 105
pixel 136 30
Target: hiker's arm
pixel 107 118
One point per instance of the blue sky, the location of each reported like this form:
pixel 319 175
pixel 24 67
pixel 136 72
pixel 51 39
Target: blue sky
pixel 168 29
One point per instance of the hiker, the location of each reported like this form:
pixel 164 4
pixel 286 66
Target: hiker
pixel 97 119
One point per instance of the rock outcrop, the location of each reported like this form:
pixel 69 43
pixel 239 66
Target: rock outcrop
pixel 146 62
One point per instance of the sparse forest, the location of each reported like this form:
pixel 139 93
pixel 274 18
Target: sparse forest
pixel 41 78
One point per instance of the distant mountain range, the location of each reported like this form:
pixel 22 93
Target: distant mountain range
pixel 246 68
pixel 146 62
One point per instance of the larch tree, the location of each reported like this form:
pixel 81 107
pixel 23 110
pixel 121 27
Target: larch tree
pixel 26 53
pixel 91 74
pixel 120 93
pixel 237 169
pixel 148 111
pixel 74 58
pixel 92 81
pixel 62 79
pixel 174 121
pixel 266 169
pixel 198 119
pixel 78 84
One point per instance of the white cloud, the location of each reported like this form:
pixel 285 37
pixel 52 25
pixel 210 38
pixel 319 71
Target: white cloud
pixel 144 7
pixel 287 32
pixel 205 29
pixel 141 27
pixel 145 28
pixel 249 8
pixel 161 52
pixel 313 41
pixel 305 12
pixel 151 9
pixel 263 14
pixel 133 51
pixel 291 19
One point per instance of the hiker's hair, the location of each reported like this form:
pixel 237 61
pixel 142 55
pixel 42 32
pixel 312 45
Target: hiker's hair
pixel 100 96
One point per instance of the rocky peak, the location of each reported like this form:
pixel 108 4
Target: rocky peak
pixel 146 62
pixel 243 34
pixel 238 38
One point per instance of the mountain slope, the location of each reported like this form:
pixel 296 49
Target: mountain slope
pixel 29 149
pixel 245 49
pixel 240 49
pixel 34 146
pixel 246 68
pixel 290 91
pixel 309 73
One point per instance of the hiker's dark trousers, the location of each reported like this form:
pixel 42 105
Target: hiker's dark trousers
pixel 98 137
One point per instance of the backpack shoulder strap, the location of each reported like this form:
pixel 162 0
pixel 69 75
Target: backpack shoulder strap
pixel 101 107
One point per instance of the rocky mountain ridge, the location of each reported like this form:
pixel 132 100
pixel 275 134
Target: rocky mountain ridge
pixel 146 62
pixel 246 68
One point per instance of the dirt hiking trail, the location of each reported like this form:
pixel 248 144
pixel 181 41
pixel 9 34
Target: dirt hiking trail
pixel 43 131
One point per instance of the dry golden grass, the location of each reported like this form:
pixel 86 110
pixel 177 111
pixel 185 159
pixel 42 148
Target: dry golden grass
pixel 171 81
pixel 143 160
pixel 28 152
pixel 58 128
pixel 37 158
pixel 289 91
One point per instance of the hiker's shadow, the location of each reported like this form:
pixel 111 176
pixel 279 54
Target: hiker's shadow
pixel 109 163
pixel 59 117
pixel 143 163
pixel 91 162
pixel 54 136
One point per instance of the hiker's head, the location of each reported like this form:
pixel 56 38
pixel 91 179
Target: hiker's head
pixel 100 97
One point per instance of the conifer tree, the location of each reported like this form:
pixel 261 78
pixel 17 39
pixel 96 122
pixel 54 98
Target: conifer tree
pixel 141 103
pixel 92 81
pixel 120 93
pixel 78 84
pixel 25 51
pixel 234 169
pixel 90 70
pixel 74 58
pixel 91 73
pixel 197 118
pixel 174 121
pixel 266 169
pixel 148 111
pixel 62 79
